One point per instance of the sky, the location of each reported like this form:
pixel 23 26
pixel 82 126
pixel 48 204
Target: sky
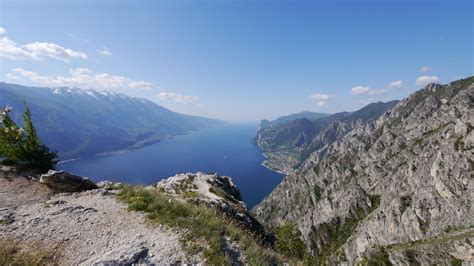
pixel 239 60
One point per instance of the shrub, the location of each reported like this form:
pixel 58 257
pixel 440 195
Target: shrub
pixel 288 241
pixel 22 146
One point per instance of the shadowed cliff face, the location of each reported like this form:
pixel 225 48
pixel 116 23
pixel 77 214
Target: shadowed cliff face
pixel 399 188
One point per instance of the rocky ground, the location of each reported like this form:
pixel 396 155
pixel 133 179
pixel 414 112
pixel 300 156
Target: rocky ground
pixel 85 228
pixel 187 218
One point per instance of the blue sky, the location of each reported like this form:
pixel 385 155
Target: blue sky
pixel 239 60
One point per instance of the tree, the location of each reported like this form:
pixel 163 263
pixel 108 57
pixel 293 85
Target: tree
pixel 22 146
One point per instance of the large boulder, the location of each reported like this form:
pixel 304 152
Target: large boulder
pixel 67 182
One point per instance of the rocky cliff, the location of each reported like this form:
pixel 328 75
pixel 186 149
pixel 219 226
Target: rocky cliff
pixel 288 143
pixel 398 189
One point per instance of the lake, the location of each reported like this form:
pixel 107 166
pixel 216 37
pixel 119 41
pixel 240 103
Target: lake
pixel 226 150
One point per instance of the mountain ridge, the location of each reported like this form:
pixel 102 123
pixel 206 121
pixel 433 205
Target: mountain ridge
pixel 80 122
pixel 287 144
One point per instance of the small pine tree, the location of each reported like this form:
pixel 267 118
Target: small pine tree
pixel 23 146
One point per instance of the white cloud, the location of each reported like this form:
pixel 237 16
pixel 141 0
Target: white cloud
pixel 376 92
pixel 395 84
pixel 104 51
pixel 425 69
pixel 321 99
pixel 424 80
pixel 83 78
pixel 2 30
pixel 178 98
pixel 360 90
pixel 37 51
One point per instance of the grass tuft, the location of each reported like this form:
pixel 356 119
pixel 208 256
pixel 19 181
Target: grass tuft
pixel 204 229
pixel 12 252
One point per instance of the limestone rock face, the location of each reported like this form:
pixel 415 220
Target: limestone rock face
pixel 67 182
pixel 398 188
pixel 287 145
pixel 215 191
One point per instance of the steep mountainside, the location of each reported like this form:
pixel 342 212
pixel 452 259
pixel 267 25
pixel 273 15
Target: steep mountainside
pixel 288 144
pixel 399 189
pixel 83 122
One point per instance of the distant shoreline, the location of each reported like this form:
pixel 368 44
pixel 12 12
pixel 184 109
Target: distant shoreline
pixel 271 169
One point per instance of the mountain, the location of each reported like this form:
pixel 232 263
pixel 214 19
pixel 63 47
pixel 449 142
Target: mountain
pixel 305 114
pixel 80 122
pixel 397 190
pixel 287 144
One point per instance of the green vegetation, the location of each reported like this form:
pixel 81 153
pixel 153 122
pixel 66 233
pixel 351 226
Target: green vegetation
pixel 380 258
pixel 411 256
pixel 328 237
pixel 374 202
pixel 405 203
pixel 317 193
pixel 204 229
pixel 22 146
pixel 456 262
pixel 14 253
pixel 288 241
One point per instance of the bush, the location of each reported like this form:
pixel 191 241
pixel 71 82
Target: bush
pixel 22 146
pixel 288 241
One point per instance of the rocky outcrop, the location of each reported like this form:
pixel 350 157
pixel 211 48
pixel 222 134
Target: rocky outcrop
pixel 216 191
pixel 394 189
pixel 64 181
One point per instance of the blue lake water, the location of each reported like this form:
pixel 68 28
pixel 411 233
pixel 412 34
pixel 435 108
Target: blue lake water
pixel 226 150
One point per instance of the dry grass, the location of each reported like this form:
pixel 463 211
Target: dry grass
pixel 12 252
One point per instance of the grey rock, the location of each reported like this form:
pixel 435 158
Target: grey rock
pixel 402 185
pixel 67 182
pixel 215 191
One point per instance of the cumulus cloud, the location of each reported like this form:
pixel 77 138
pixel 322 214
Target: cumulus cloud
pixel 178 98
pixel 360 90
pixel 104 51
pixel 395 84
pixel 424 80
pixel 321 99
pixel 2 30
pixel 425 69
pixel 83 78
pixel 37 51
